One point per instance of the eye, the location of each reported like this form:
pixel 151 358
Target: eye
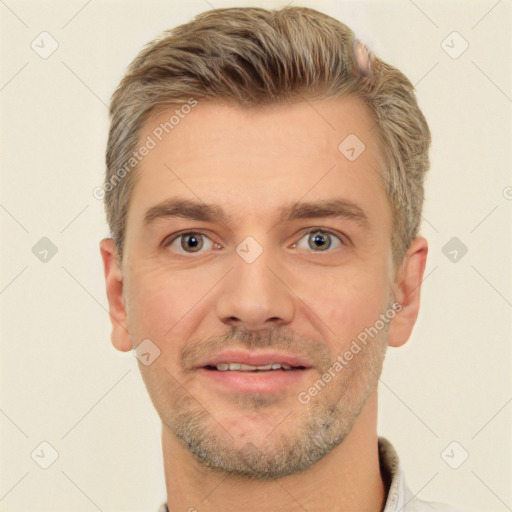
pixel 319 239
pixel 189 243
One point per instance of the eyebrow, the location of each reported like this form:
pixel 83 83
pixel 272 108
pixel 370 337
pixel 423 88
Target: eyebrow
pixel 211 212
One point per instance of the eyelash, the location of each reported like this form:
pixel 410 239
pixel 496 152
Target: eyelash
pixel 168 241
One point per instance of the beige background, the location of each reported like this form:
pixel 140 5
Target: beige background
pixel 61 380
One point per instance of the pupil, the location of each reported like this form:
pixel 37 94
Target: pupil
pixel 320 240
pixel 192 242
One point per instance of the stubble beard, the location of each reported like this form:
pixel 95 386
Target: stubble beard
pixel 293 446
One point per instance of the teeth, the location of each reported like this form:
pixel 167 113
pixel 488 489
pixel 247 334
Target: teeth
pixel 247 367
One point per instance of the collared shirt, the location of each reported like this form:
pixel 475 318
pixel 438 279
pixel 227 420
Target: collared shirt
pixel 399 497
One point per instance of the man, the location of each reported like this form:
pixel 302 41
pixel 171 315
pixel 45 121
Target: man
pixel 264 189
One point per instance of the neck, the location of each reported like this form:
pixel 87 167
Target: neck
pixel 347 478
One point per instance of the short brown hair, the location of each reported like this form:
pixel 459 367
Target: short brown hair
pixel 253 57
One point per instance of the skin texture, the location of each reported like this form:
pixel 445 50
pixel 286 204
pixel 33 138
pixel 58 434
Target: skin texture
pixel 224 450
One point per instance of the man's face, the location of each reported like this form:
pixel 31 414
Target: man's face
pixel 297 287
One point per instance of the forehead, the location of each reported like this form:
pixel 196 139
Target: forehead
pixel 257 160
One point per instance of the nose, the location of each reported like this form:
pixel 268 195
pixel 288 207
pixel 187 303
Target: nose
pixel 254 297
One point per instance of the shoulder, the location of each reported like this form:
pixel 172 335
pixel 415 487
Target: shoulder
pixel 417 505
pixel 400 497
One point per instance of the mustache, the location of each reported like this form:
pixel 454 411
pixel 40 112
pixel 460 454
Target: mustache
pixel 277 338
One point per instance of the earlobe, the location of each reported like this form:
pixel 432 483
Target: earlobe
pixel 114 287
pixel 407 291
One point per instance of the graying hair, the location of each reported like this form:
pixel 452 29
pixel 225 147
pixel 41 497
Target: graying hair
pixel 255 57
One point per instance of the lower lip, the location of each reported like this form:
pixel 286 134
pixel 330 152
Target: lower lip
pixel 255 382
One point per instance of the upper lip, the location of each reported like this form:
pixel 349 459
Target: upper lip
pixel 256 358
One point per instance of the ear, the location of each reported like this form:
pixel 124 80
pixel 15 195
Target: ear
pixel 114 283
pixel 407 288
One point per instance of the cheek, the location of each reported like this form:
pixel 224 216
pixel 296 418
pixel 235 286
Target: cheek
pixel 156 303
pixel 347 303
pixel 166 304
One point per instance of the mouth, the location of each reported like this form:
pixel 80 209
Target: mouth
pixel 241 367
pixel 249 372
